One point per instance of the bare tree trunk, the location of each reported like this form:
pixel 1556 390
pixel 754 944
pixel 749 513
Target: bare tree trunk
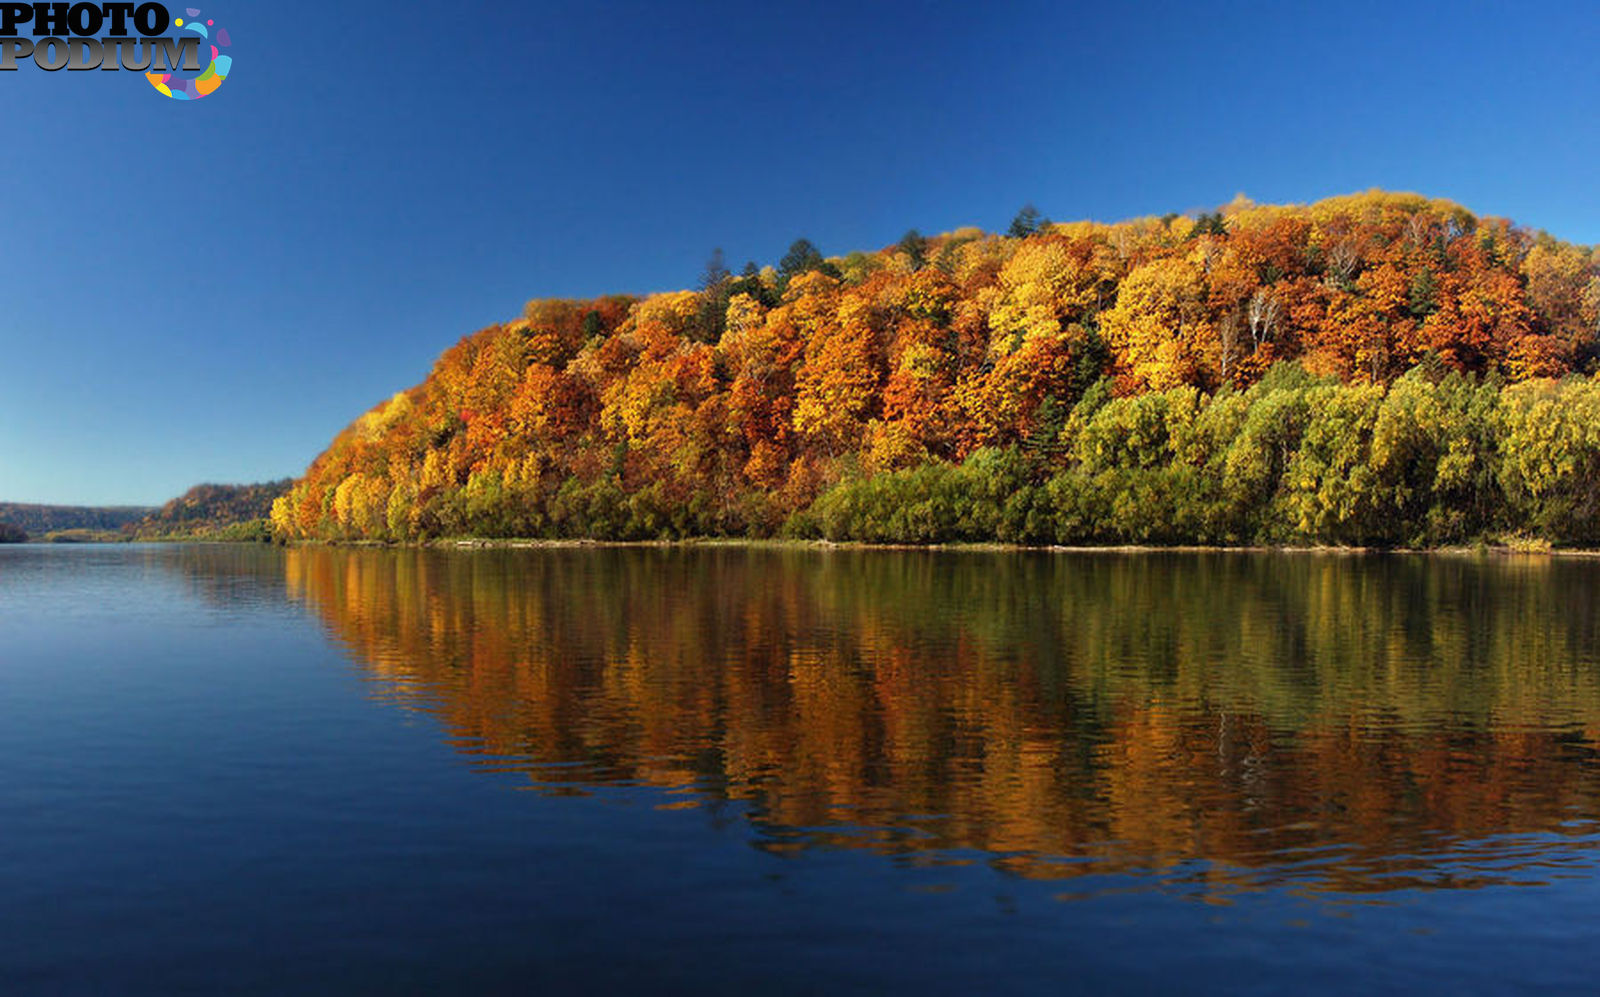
pixel 1228 339
pixel 1262 314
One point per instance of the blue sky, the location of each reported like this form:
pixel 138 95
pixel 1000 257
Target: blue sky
pixel 209 291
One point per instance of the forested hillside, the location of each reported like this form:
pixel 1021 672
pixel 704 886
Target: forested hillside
pixel 219 512
pixel 1381 368
pixel 37 520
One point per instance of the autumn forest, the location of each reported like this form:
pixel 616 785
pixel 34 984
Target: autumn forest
pixel 1378 369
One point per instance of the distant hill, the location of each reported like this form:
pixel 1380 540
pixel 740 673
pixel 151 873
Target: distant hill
pixel 37 520
pixel 219 512
pixel 12 534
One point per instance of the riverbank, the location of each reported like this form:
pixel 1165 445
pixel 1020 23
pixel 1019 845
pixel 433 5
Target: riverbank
pixel 1517 548
pixel 1520 547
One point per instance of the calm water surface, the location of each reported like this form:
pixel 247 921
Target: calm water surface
pixel 248 770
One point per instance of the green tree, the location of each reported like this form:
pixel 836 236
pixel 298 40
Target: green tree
pixel 916 249
pixel 715 289
pixel 716 272
pixel 1209 223
pixel 1027 222
pixel 802 257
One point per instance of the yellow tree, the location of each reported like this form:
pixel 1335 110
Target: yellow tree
pixel 1050 281
pixel 1563 293
pixel 837 385
pixel 1158 326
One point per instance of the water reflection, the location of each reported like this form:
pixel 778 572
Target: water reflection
pixel 1326 722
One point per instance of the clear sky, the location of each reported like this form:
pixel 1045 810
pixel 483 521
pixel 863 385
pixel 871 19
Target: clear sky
pixel 209 291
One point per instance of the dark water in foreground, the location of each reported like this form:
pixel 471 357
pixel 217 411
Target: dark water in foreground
pixel 244 770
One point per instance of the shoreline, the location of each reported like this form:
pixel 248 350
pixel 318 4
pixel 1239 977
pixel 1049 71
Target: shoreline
pixel 1535 549
pixel 480 543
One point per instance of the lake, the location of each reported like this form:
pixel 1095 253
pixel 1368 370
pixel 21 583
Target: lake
pixel 714 770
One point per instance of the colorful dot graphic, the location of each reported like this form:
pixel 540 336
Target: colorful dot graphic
pixel 214 74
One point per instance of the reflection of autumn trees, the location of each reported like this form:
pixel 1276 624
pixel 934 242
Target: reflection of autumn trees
pixel 1066 714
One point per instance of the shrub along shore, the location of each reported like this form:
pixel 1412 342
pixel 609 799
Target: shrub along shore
pixel 1431 461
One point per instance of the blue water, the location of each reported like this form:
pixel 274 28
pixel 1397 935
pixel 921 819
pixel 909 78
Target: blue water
pixel 245 770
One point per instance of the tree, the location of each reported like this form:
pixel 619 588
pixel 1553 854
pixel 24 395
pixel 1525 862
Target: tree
pixel 1209 223
pixel 1158 324
pixel 715 290
pixel 802 257
pixel 1263 313
pixel 716 272
pixel 1027 222
pixel 1048 281
pixel 839 382
pixel 749 282
pixel 916 249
